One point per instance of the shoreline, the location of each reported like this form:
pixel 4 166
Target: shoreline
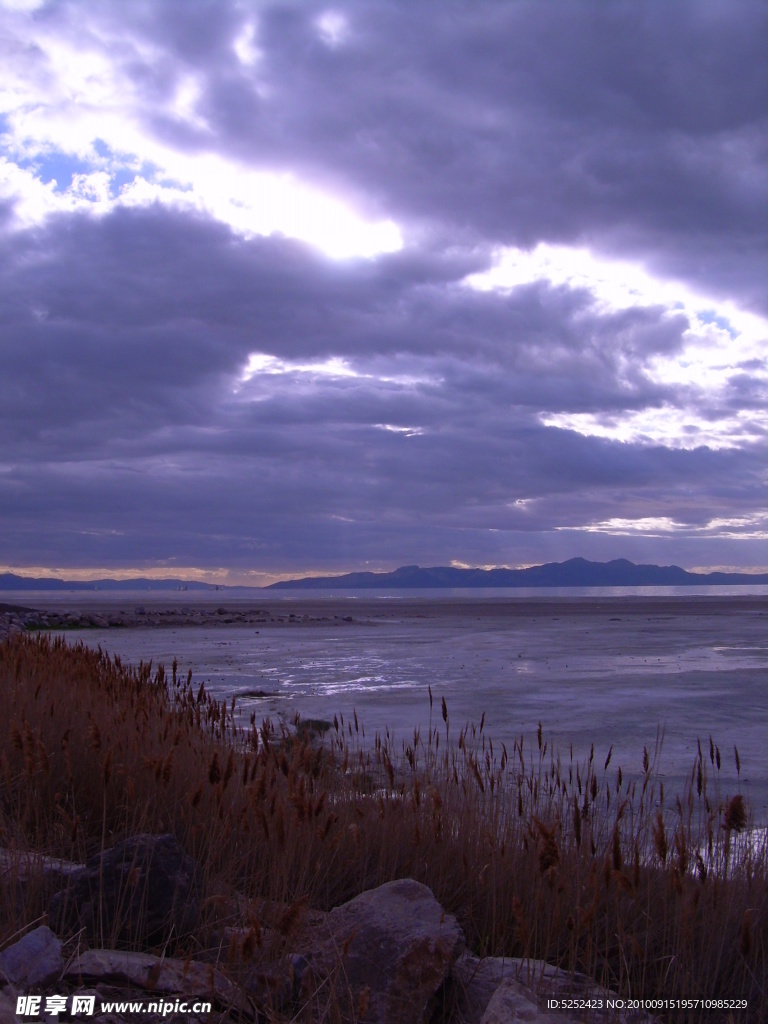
pixel 603 670
pixel 81 611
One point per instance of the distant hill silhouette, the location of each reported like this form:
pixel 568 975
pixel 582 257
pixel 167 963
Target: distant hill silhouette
pixel 576 572
pixel 10 581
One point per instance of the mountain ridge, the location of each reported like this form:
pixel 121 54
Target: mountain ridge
pixel 575 572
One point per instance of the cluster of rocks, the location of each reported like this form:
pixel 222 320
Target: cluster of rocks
pixel 15 619
pixel 12 620
pixel 390 956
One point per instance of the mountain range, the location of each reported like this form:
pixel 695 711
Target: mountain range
pixel 576 572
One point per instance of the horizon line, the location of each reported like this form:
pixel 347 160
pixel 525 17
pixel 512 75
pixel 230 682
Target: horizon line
pixel 256 579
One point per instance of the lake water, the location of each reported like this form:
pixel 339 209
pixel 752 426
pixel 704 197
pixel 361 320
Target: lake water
pixel 604 667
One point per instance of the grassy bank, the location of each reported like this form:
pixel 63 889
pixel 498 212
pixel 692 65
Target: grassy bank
pixel 582 864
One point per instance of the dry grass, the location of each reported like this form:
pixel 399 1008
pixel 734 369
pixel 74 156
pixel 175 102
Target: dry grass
pixel 575 863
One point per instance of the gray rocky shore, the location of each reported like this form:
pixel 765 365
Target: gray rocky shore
pixel 17 618
pixel 83 612
pixel 391 955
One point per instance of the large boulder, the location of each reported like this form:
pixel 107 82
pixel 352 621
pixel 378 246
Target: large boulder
pixel 34 960
pixel 383 956
pixel 139 891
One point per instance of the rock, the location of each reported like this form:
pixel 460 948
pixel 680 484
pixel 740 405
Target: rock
pixel 138 891
pixel 474 982
pixel 511 1002
pixel 7 1010
pixel 22 870
pixel 187 978
pixel 10 625
pixel 23 865
pixel 544 980
pixel 34 960
pixel 385 954
pixel 497 990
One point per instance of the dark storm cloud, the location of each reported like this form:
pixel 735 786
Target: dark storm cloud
pixel 131 432
pixel 634 127
pixel 127 404
pixel 141 310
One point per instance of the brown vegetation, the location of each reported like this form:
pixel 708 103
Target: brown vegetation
pixel 580 864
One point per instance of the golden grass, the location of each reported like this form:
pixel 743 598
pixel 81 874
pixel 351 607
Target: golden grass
pixel 573 862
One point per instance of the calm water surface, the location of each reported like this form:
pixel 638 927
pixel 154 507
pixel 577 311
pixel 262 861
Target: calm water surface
pixel 604 671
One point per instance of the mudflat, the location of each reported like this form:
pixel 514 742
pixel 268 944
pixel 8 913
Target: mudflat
pixel 606 670
pixel 280 606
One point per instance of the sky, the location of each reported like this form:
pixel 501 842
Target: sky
pixel 295 288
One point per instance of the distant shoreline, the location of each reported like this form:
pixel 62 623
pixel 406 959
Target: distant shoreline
pixel 86 611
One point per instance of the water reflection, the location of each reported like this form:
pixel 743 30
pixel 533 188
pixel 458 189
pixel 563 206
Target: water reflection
pixel 589 678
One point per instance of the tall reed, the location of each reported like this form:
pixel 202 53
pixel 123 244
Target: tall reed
pixel 586 865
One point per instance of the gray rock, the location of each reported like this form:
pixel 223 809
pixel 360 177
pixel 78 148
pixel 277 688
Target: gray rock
pixel 156 974
pixel 511 1002
pixel 34 960
pixel 138 891
pixel 24 865
pixel 7 1010
pixel 497 990
pixel 474 982
pixel 384 955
